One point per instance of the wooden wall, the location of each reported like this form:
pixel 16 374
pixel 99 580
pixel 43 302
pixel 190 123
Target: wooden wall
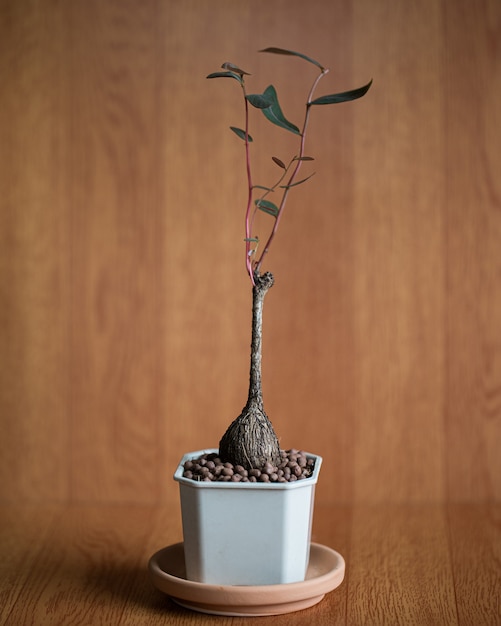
pixel 125 309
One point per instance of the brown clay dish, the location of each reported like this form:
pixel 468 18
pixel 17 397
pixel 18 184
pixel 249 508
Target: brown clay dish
pixel 325 573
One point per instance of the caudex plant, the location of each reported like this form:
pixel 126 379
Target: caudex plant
pixel 250 440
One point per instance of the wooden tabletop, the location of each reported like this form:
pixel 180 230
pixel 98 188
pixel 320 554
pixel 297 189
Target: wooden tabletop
pixel 405 564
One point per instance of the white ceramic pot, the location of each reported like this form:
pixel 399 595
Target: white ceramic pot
pixel 246 533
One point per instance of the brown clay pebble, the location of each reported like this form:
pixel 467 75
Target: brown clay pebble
pixel 268 469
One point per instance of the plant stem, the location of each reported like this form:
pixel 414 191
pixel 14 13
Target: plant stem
pixel 261 286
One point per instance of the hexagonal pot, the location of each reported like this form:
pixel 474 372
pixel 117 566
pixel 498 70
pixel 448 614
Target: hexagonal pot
pixel 246 533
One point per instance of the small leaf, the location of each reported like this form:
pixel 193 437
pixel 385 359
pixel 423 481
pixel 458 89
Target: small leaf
pixel 259 101
pixel 292 53
pixel 234 68
pixel 225 75
pixel 252 239
pixel 344 96
pixel 261 187
pixel 279 162
pixel 303 158
pixel 267 207
pixel 299 182
pixel 274 112
pixel 241 133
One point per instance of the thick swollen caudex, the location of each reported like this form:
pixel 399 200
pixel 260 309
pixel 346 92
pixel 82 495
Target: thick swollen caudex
pixel 250 440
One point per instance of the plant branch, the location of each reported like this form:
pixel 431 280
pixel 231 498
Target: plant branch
pixel 295 172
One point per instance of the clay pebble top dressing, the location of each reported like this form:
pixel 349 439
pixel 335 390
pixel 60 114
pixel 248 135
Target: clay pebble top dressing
pixel 294 465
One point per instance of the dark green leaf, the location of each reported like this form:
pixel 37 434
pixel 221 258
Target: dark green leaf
pixel 259 101
pixel 294 54
pixel 252 239
pixel 303 158
pixel 279 162
pixel 345 96
pixel 299 182
pixel 267 207
pixel 234 68
pixel 274 112
pixel 241 133
pixel 225 75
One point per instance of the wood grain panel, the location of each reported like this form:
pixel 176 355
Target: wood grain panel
pixel 125 309
pixel 399 260
pixel 34 245
pixel 473 415
pixel 115 133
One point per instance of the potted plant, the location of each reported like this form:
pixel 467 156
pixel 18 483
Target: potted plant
pixel 247 505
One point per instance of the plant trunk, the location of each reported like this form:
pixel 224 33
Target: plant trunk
pixel 250 440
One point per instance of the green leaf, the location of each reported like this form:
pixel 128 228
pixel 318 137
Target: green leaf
pixel 299 182
pixel 252 239
pixel 274 112
pixel 303 158
pixel 267 207
pixel 259 101
pixel 279 162
pixel 294 54
pixel 241 133
pixel 225 75
pixel 344 96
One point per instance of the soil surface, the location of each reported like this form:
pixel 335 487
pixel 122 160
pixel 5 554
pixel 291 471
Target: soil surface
pixel 294 465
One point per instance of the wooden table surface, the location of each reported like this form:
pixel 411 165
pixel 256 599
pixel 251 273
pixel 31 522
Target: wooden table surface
pixel 406 564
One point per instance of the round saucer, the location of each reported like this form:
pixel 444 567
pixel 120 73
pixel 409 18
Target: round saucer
pixel 325 573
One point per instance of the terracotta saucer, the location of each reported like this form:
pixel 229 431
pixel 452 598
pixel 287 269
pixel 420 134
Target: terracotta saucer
pixel 325 573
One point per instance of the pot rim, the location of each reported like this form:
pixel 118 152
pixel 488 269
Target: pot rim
pixel 296 484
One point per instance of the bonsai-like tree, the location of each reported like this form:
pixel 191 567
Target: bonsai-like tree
pixel 250 440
